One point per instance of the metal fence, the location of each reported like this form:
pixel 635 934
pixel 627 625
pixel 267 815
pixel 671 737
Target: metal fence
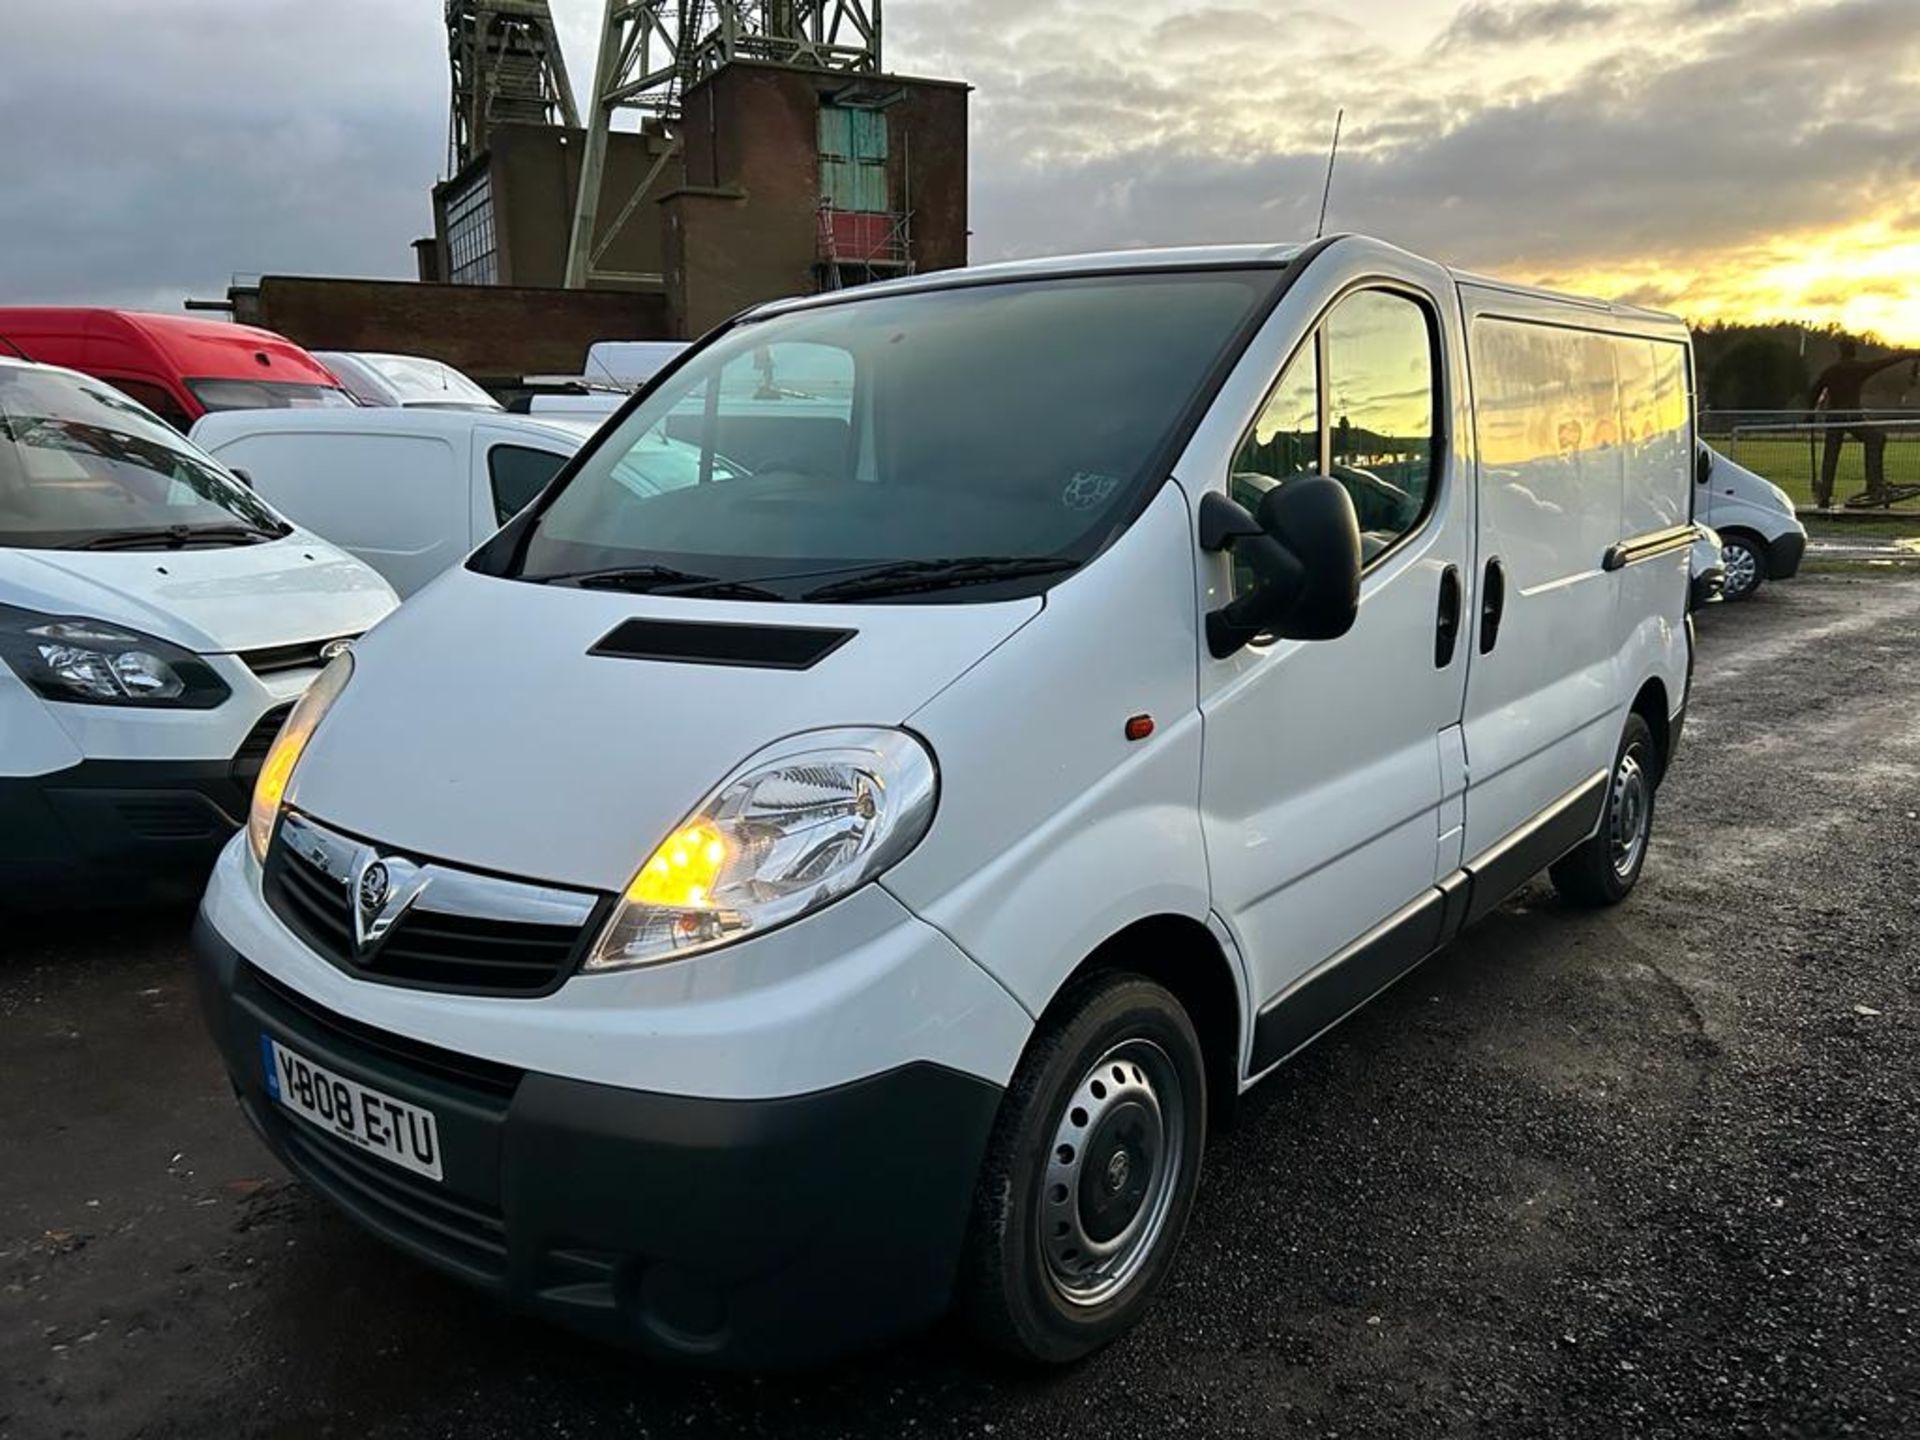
pixel 1869 461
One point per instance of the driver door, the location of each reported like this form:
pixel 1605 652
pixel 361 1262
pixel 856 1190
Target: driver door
pixel 1322 783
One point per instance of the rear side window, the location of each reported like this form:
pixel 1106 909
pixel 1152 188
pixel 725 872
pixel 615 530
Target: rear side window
pixel 1356 402
pixel 517 474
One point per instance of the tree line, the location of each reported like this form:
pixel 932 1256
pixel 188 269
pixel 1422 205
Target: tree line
pixel 1773 366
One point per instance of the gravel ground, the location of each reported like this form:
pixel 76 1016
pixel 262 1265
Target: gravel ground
pixel 1644 1173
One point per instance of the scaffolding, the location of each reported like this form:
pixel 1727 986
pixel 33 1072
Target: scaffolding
pixel 860 246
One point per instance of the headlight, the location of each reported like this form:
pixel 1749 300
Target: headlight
pixel 89 662
pixel 276 773
pixel 799 825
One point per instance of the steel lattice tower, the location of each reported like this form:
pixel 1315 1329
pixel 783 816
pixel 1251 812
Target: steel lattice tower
pixel 653 51
pixel 507 69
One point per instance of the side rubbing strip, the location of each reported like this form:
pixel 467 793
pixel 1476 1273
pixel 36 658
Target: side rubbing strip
pixel 1646 547
pixel 1347 981
pixel 1503 868
pixel 704 642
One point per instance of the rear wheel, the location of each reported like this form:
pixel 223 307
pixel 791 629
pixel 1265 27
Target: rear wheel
pixel 1090 1175
pixel 1604 868
pixel 1746 566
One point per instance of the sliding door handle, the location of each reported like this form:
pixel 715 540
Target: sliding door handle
pixel 1493 604
pixel 1447 628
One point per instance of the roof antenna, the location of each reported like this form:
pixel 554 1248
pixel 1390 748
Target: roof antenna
pixel 1332 155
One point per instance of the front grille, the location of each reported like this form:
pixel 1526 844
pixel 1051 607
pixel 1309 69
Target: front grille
pixel 460 1233
pixel 433 945
pixel 305 655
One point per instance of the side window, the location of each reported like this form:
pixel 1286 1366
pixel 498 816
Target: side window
pixel 1284 442
pixel 1380 412
pixel 517 474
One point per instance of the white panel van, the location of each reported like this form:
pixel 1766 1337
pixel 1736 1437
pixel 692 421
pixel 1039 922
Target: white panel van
pixel 408 490
pixel 1761 536
pixel 748 917
pixel 157 623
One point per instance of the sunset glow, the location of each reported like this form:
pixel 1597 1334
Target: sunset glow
pixel 1863 277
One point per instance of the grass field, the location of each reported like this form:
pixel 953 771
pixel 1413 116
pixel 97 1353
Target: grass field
pixel 1790 463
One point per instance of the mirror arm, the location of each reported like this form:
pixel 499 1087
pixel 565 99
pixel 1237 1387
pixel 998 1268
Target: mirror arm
pixel 1223 521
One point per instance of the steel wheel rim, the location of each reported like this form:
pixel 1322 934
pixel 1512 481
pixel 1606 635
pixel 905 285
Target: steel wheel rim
pixel 1632 813
pixel 1113 1169
pixel 1742 567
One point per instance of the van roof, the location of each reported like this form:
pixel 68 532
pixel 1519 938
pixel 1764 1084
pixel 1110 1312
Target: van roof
pixel 193 347
pixel 1181 257
pixel 225 425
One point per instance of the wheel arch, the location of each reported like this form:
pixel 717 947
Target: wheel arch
pixel 1651 705
pixel 1182 955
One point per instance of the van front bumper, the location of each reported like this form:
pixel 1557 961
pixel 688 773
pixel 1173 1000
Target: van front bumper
pixel 744 1232
pixel 1784 554
pixel 116 831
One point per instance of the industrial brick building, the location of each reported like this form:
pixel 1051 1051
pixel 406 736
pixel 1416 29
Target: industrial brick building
pixel 773 156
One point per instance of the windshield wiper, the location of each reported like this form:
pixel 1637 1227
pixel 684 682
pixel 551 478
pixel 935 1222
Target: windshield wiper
pixel 908 576
pixel 178 537
pixel 659 579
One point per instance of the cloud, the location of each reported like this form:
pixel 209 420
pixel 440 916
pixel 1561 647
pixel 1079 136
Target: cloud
pixel 1656 139
pixel 1482 23
pixel 1649 143
pixel 155 150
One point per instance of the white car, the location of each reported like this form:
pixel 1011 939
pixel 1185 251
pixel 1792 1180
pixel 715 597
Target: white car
pixel 1761 535
pixel 375 378
pixel 745 918
pixel 409 491
pixel 157 622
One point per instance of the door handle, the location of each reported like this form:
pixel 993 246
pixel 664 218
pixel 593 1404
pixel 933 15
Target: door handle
pixel 1493 603
pixel 1447 628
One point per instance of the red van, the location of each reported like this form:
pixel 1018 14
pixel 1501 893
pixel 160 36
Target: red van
pixel 178 366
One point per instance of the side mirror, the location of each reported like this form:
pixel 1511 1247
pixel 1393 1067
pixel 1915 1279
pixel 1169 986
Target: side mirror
pixel 1703 466
pixel 241 475
pixel 1304 546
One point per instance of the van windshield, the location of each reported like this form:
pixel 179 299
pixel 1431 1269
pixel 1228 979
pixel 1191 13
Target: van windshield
pixel 981 436
pixel 218 395
pixel 84 467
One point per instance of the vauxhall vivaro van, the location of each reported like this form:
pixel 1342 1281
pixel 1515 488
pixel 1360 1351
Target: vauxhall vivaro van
pixel 750 917
pixel 1760 533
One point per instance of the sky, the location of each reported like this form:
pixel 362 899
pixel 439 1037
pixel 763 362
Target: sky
pixel 1733 159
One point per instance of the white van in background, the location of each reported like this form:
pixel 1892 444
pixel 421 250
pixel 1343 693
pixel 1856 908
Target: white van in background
pixel 157 622
pixel 1760 535
pixel 629 364
pixel 410 491
pixel 375 378
pixel 746 917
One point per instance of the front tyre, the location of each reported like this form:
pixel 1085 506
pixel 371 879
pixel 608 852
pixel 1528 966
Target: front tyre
pixel 1746 566
pixel 1603 869
pixel 1090 1174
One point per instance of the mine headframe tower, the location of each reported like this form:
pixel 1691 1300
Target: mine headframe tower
pixel 507 69
pixel 653 51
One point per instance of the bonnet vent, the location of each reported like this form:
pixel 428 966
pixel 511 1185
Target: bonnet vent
pixel 699 642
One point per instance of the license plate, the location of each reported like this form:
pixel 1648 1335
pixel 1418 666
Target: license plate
pixel 379 1124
